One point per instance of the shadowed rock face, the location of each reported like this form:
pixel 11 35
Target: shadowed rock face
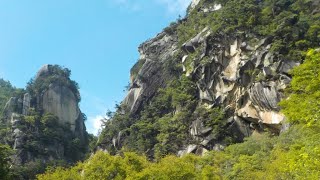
pixel 151 75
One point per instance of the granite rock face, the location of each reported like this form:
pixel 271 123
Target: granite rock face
pixel 149 74
pixel 56 99
pixel 61 101
pixel 239 74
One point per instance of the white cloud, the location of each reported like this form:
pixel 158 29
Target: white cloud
pixel 175 6
pixel 1 69
pixel 130 5
pixel 94 124
pixel 1 73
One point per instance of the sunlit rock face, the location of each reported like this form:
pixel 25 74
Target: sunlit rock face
pixel 194 3
pixel 236 72
pixel 61 101
pixel 240 74
pixel 54 98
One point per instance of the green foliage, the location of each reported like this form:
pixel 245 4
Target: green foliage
pixel 6 92
pixel 57 75
pixel 29 170
pixel 293 25
pixel 302 106
pixel 170 167
pixel 156 126
pixel 101 166
pixel 292 155
pixel 213 118
pixel 5 152
pixel 42 134
pixel 162 127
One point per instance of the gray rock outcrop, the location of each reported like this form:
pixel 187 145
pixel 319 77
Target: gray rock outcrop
pixel 24 116
pixel 61 101
pixel 243 76
pixel 151 75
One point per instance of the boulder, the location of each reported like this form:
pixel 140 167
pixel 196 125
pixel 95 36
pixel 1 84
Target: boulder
pixel 265 95
pixel 189 149
pixel 191 45
pixel 286 66
pixel 196 127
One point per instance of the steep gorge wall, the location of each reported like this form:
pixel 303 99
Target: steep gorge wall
pixel 247 80
pixel 238 55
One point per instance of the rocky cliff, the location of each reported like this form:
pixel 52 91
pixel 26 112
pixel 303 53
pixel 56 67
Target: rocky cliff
pixel 236 56
pixel 45 125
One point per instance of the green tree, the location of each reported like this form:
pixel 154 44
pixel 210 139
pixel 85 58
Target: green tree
pixel 5 153
pixel 302 105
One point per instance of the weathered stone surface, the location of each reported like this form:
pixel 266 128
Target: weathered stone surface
pixel 250 113
pixel 265 95
pixel 116 141
pixel 10 107
pixel 189 149
pixel 271 117
pixel 285 127
pixel 152 75
pixel 26 103
pixel 215 7
pixel 61 101
pixel 286 66
pixel 267 71
pixel 218 147
pixel 196 127
pixel 194 3
pixel 205 130
pixel 239 74
pixel 196 41
pixel 57 99
pixel 44 71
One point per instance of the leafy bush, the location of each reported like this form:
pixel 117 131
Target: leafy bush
pixel 302 106
pixel 57 75
pixel 292 24
pixel 6 92
pixel 5 153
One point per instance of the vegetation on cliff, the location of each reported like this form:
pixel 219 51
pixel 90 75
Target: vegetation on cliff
pixel 292 155
pixel 293 25
pixel 55 74
pixel 5 153
pixel 6 92
pixel 38 138
pixel 161 128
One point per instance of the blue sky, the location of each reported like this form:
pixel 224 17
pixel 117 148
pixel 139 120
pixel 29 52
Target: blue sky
pixel 97 40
